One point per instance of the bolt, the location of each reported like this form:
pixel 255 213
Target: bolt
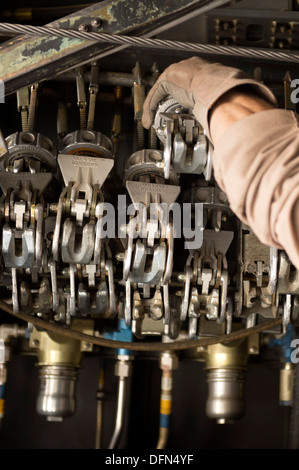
pixel 84 27
pixel 179 293
pixel 253 350
pixel 35 343
pixel 156 313
pixel 54 207
pixel 222 197
pixel 202 195
pixel 181 277
pixel 120 256
pixel 65 272
pixel 97 22
pixel 86 346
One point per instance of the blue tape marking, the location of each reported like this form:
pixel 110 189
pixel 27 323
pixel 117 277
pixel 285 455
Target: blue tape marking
pixel 2 391
pixel 164 421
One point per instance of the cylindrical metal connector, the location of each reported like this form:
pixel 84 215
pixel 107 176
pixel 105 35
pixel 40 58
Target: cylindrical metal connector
pixel 226 367
pixel 87 143
pixel 56 398
pixel 286 384
pixel 59 361
pixel 225 396
pixel 168 363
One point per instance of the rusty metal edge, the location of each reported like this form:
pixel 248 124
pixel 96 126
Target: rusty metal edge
pixel 25 60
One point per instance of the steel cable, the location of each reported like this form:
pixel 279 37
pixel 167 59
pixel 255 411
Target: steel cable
pixel 245 52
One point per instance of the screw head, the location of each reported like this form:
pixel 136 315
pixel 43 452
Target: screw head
pixel 179 293
pixel 97 22
pixel 84 27
pixel 120 256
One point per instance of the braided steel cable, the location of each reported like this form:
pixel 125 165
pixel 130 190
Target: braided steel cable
pixel 234 51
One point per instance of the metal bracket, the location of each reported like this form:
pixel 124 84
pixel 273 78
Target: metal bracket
pixel 26 259
pixel 70 253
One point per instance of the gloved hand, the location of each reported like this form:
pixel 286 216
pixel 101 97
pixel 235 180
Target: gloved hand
pixel 196 85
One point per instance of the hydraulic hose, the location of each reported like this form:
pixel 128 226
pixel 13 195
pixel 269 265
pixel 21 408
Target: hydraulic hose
pixel 142 346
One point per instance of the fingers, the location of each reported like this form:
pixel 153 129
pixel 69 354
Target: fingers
pixel 175 81
pixel 149 106
pixel 157 94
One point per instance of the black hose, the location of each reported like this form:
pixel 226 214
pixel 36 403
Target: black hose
pixel 142 346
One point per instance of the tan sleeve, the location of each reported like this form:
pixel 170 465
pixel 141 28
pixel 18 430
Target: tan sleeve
pixel 256 162
pixel 197 84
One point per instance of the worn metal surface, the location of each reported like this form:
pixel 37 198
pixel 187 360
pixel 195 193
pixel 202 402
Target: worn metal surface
pixel 26 60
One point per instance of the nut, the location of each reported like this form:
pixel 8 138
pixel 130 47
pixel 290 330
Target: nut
pixel 123 369
pixel 168 361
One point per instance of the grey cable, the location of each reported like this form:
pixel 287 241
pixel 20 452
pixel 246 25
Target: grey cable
pixel 246 52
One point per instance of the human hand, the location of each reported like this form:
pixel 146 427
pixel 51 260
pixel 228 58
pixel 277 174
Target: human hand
pixel 197 85
pixel 176 82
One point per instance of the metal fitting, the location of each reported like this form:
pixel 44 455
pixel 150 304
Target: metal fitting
pixel 226 366
pixel 168 361
pixel 8 332
pixel 57 394
pixel 286 384
pixel 147 162
pixel 11 331
pixel 59 360
pixel 30 145
pixel 88 143
pixel 123 367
